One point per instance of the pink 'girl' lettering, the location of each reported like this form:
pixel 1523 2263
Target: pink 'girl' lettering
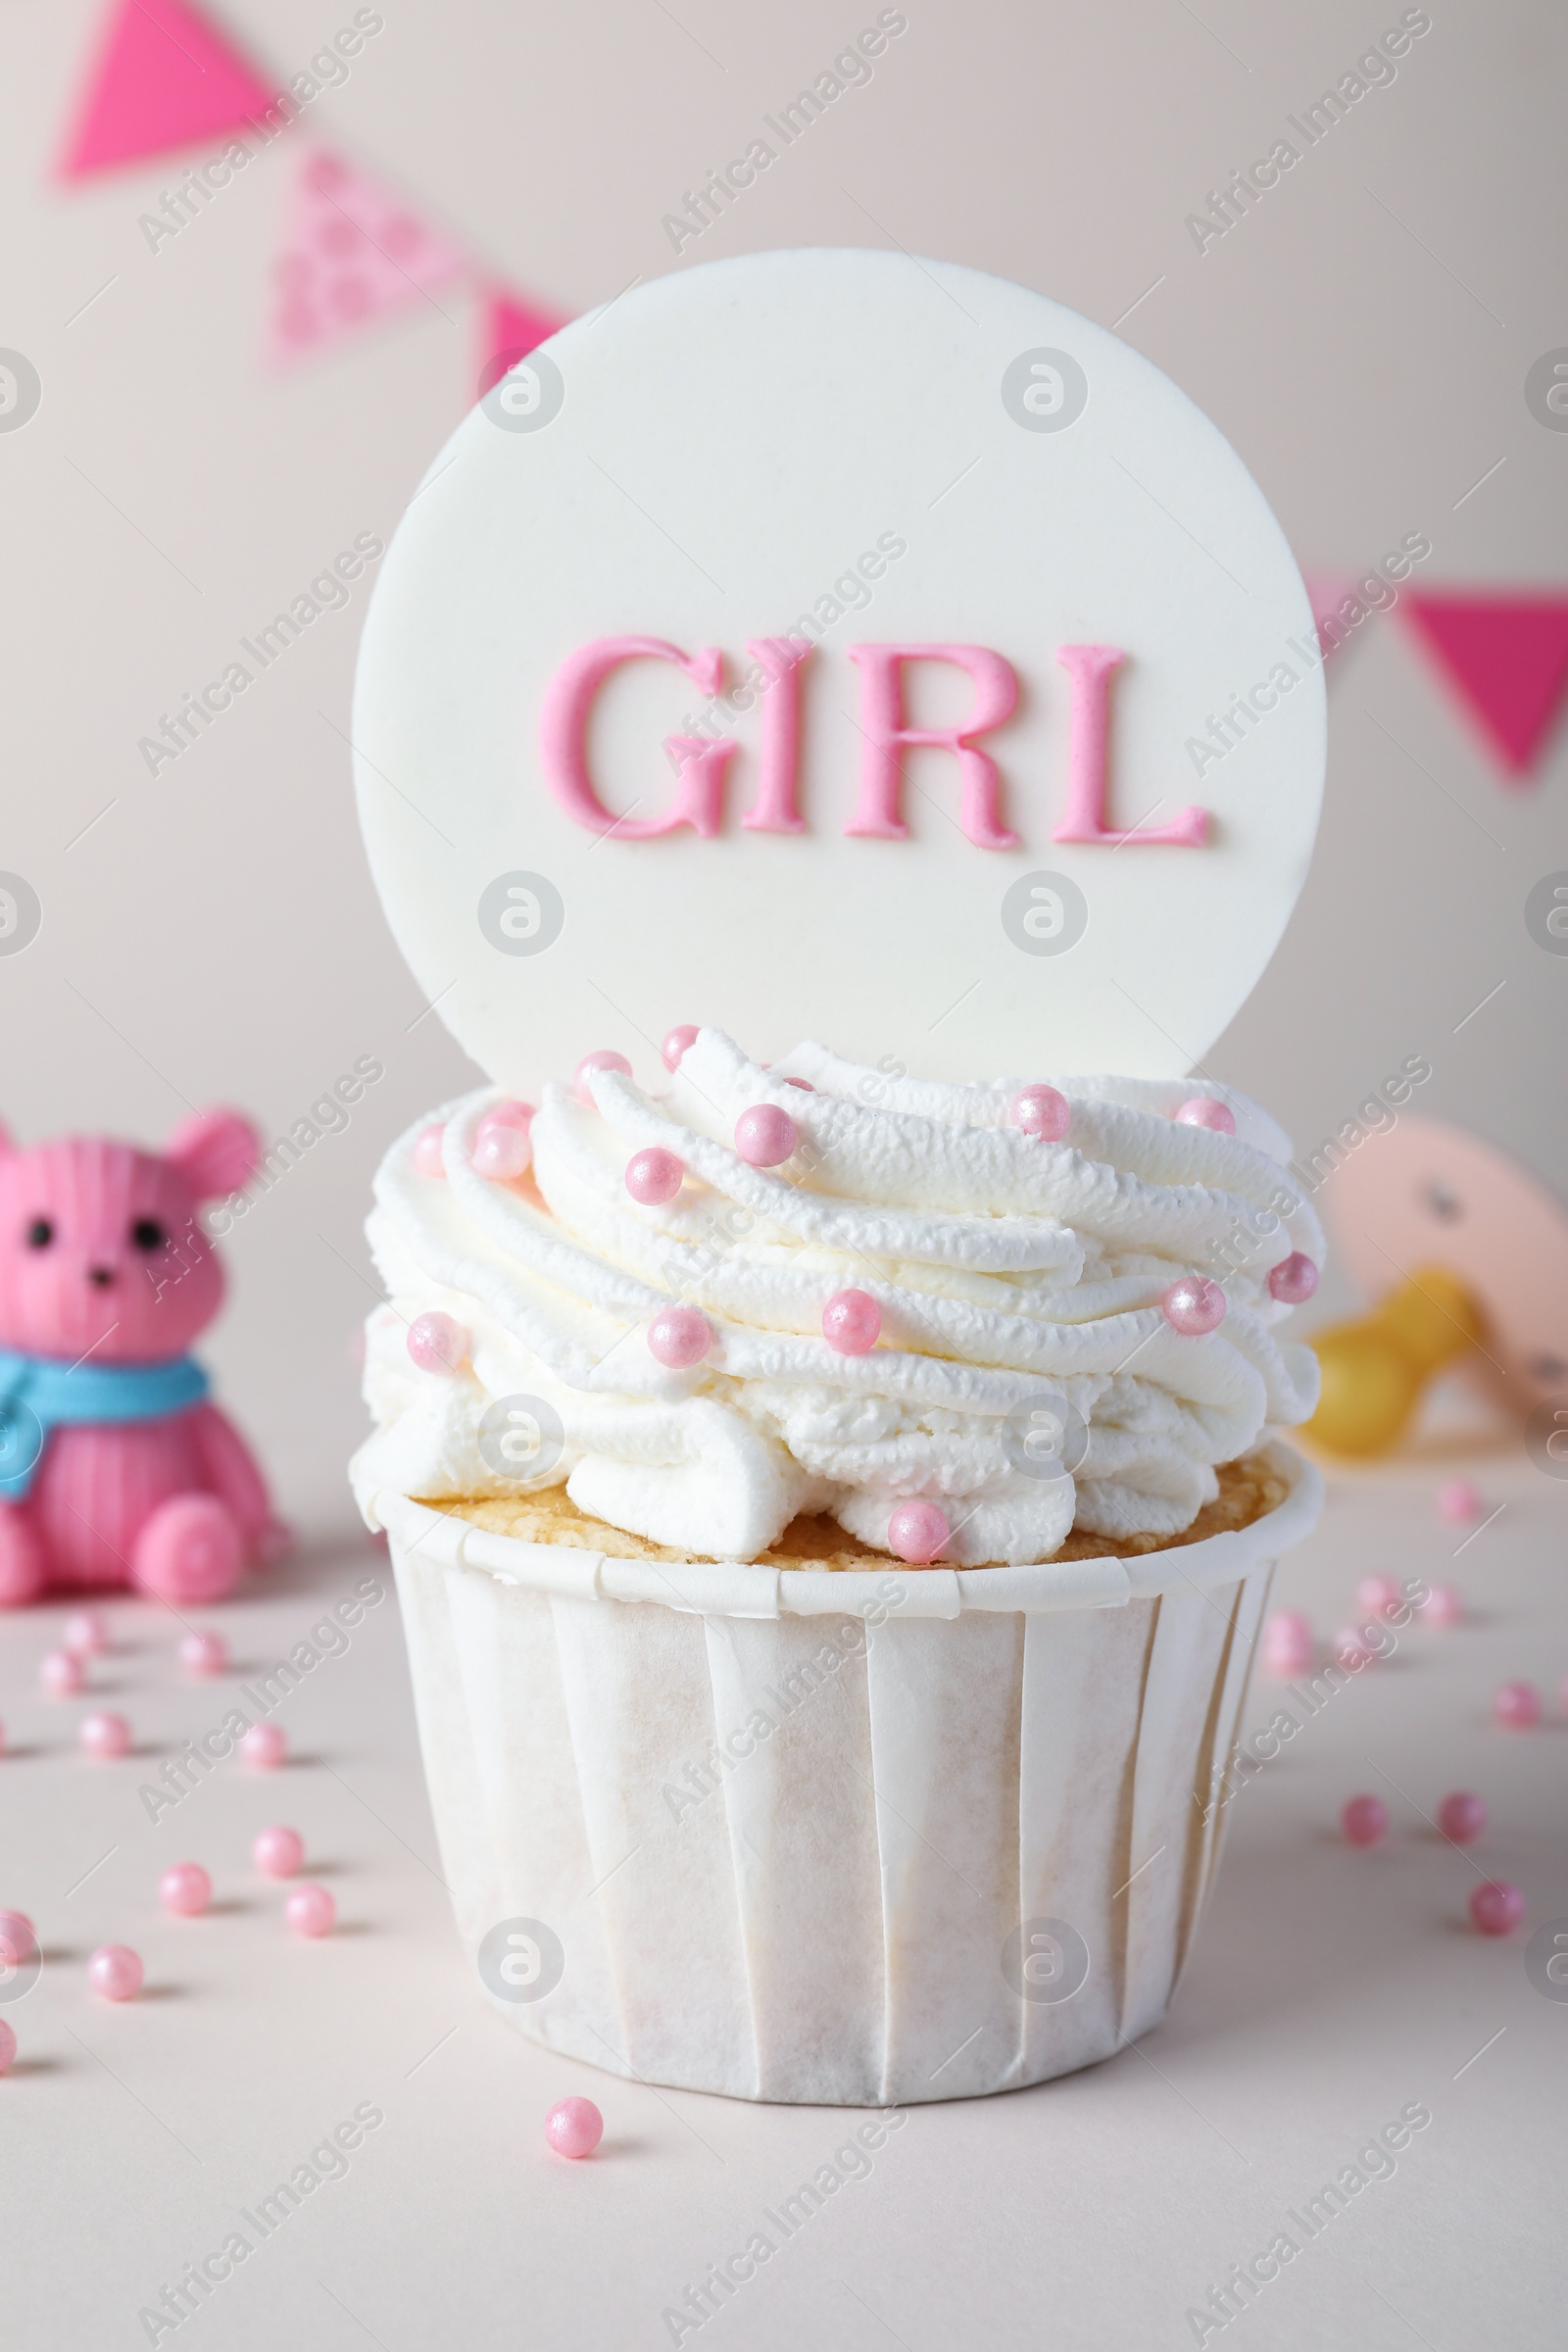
pixel 701 761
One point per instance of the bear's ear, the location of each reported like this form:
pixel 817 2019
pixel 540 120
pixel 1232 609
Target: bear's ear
pixel 215 1151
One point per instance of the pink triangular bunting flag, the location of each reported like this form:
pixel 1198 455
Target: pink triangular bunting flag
pixel 163 78
pixel 353 253
pixel 1327 591
pixel 510 329
pixel 1506 659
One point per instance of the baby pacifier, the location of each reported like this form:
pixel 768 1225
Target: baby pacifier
pixel 1466 1258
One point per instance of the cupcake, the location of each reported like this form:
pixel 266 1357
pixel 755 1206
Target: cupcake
pixel 832 1514
pixel 832 1507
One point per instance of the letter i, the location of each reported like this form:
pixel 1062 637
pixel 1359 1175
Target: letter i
pixel 777 809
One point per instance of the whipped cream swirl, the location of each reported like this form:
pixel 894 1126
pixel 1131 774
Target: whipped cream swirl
pixel 1025 1380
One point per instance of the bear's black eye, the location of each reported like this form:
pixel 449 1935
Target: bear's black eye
pixel 41 1233
pixel 148 1233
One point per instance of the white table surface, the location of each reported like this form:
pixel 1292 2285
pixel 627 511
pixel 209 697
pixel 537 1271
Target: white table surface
pixel 1330 1987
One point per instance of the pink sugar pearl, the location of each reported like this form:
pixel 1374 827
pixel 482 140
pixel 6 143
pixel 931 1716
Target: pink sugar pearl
pixel 1352 1649
pixel 85 1634
pixel 1496 1907
pixel 438 1342
pixel 653 1176
pixel 765 1136
pixel 115 1971
pixel 510 1112
pixel 1379 1594
pixel 1294 1280
pixel 278 1852
pixel 575 2128
pixel 104 1735
pixel 1288 1645
pixel 18 1935
pixel 1288 1628
pixel 1364 1820
pixel 62 1674
pixel 1443 1607
pixel 186 1890
pixel 590 1062
pixel 1462 1817
pixel 676 1043
pixel 203 1653
pixel 8 2047
pixel 1204 1111
pixel 503 1142
pixel 1194 1306
pixel 311 1911
pixel 805 1085
pixel 918 1532
pixel 1459 1500
pixel 1041 1111
pixel 427 1160
pixel 681 1337
pixel 852 1322
pixel 264 1746
pixel 1517 1705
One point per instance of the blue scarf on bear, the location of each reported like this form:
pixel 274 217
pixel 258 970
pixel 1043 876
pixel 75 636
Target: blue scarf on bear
pixel 38 1394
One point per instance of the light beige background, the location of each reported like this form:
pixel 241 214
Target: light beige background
pixel 1362 337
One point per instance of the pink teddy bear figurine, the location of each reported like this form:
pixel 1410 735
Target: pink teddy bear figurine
pixel 114 1468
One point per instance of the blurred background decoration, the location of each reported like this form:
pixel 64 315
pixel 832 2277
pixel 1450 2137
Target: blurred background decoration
pixel 168 80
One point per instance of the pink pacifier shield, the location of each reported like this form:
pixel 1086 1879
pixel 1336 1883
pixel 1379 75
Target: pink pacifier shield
pixel 1427 1194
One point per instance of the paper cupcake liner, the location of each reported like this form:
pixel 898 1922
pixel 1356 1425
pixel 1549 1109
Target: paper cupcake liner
pixel 845 1839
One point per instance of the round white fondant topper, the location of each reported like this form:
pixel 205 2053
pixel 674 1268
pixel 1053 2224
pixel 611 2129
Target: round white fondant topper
pixel 836 644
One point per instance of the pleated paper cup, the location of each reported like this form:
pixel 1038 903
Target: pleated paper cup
pixel 854 1838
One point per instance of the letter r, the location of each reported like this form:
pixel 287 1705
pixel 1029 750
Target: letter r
pixel 886 737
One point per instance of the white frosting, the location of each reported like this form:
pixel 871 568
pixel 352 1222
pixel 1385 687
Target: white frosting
pixel 1013 1276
